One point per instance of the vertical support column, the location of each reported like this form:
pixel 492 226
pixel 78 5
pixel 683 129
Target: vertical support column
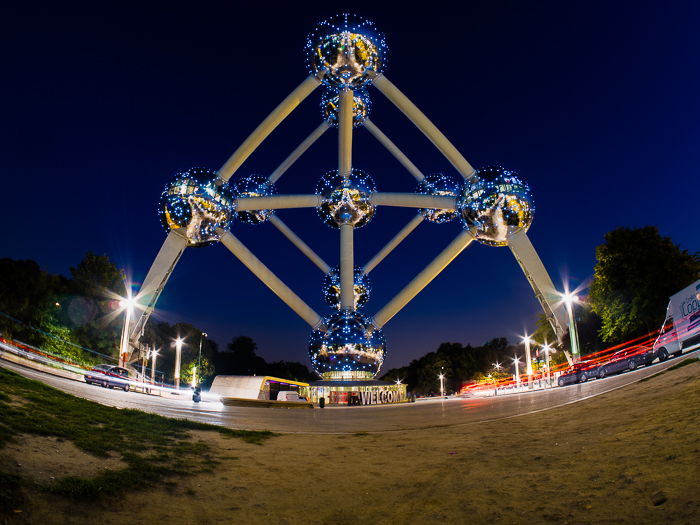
pixel 347 268
pixel 345 133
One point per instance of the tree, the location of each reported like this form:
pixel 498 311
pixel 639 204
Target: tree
pixel 636 273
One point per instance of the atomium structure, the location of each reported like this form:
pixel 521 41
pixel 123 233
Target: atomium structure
pixel 346 55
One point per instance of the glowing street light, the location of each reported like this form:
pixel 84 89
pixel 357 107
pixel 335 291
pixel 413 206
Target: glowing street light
pixel 442 389
pixel 154 353
pixel 517 372
pixel 526 340
pixel 128 306
pixel 178 353
pixel 569 300
pixel 194 376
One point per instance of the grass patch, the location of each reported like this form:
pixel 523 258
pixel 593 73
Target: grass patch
pixel 361 433
pixel 152 447
pixel 687 362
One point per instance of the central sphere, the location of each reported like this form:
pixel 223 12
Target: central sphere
pixel 350 347
pixel 345 52
pixel 498 203
pixel 254 186
pixel 346 201
pixel 199 203
pixel 361 106
pixel 331 287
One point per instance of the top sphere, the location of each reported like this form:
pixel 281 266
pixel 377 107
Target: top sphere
pixel 199 202
pixel 345 52
pixel 498 203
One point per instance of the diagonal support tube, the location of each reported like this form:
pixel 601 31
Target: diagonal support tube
pixel 531 264
pixel 393 243
pixel 395 151
pixel 289 234
pixel 423 279
pixel 161 269
pixel 422 123
pixel 267 126
pixel 270 279
pixel 315 135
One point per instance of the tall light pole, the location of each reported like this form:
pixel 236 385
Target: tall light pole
pixel 442 390
pixel 154 353
pixel 128 305
pixel 178 353
pixel 529 361
pixel 199 365
pixel 517 372
pixel 569 300
pixel 548 349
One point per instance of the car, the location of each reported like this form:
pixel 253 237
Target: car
pixel 627 359
pixel 108 376
pixel 579 373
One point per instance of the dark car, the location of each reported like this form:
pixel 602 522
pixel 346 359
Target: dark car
pixel 627 359
pixel 108 376
pixel 579 373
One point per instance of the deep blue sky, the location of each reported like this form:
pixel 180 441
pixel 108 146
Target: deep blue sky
pixel 594 104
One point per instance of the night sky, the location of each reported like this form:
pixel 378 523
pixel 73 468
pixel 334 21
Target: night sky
pixel 594 104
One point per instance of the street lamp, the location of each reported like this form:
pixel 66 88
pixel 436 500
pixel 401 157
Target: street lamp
pixel 569 300
pixel 526 340
pixel 442 389
pixel 178 352
pixel 517 372
pixel 199 365
pixel 128 306
pixel 548 349
pixel 154 353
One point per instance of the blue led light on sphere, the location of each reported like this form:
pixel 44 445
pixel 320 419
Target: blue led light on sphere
pixel 345 52
pixel 361 107
pixel 346 201
pixel 198 202
pixel 254 186
pixel 443 185
pixel 331 287
pixel 498 203
pixel 350 347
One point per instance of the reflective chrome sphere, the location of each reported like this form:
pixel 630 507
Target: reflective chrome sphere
pixel 361 107
pixel 254 186
pixel 345 51
pixel 347 348
pixel 346 201
pixel 498 203
pixel 199 202
pixel 331 287
pixel 438 184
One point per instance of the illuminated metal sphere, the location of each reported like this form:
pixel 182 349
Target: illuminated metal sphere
pixel 438 184
pixel 331 287
pixel 361 107
pixel 498 203
pixel 198 202
pixel 350 346
pixel 254 186
pixel 346 201
pixel 345 52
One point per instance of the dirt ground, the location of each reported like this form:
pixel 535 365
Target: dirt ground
pixel 631 456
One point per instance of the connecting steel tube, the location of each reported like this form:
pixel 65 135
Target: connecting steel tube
pixel 270 279
pixel 274 202
pixel 423 279
pixel 345 133
pixel 422 123
pixel 303 247
pixel 298 152
pixel 396 152
pixel 393 243
pixel 414 200
pixel 267 126
pixel 347 268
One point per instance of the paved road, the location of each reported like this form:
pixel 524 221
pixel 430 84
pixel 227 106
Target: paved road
pixel 378 418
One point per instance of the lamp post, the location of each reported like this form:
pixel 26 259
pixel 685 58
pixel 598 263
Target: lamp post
pixel 517 372
pixel 154 353
pixel 442 390
pixel 128 305
pixel 569 299
pixel 199 364
pixel 178 352
pixel 548 349
pixel 529 362
pixel 497 367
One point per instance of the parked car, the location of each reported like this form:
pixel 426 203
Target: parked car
pixel 579 373
pixel 627 359
pixel 108 376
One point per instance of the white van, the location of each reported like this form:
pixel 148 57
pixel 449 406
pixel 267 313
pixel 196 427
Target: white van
pixel 287 395
pixel 681 328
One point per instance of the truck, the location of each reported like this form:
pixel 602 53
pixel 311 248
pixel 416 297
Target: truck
pixel 681 329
